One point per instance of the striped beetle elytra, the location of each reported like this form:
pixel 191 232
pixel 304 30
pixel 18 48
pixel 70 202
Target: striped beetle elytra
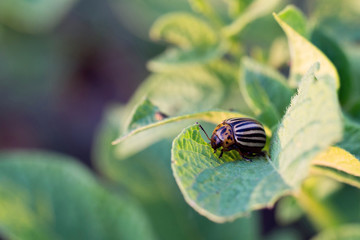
pixel 245 135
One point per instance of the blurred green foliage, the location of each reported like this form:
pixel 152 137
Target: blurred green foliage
pixel 223 58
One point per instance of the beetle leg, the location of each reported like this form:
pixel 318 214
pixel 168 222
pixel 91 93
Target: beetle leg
pixel 264 154
pixel 261 154
pixel 222 151
pixel 244 155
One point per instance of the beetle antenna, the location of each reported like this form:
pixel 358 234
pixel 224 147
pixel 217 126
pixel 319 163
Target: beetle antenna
pixel 203 130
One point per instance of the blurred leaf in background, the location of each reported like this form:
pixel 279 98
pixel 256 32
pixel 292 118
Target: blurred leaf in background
pixel 33 16
pixel 50 196
pixel 139 15
pixel 63 77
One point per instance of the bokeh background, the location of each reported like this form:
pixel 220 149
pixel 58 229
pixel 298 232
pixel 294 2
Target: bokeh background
pixel 58 72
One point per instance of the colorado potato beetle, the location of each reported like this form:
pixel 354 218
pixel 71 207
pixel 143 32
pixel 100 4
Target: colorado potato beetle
pixel 245 135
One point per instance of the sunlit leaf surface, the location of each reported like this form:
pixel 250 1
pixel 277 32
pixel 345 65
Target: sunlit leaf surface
pixel 226 188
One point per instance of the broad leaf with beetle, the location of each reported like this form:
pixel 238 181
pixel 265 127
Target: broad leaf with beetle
pixel 309 132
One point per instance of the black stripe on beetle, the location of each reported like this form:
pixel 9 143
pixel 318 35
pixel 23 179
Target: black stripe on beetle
pixel 249 130
pixel 250 140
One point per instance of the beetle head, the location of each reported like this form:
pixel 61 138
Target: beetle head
pixel 215 142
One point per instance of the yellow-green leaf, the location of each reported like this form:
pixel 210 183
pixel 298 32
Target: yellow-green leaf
pixel 193 40
pixel 340 159
pixel 255 10
pixel 310 125
pixel 303 52
pixel 339 164
pixel 344 232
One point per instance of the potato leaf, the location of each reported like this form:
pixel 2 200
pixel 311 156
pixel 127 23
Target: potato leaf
pixel 44 195
pixel 344 232
pixel 338 57
pixel 265 90
pixel 339 164
pixel 144 119
pixel 311 123
pixel 224 189
pixel 303 52
pixel 351 139
pixel 256 9
pixel 193 40
pixel 33 16
pixel 180 92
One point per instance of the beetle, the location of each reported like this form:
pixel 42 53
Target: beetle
pixel 245 135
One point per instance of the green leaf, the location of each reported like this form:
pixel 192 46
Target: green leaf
pixel 355 110
pixel 193 40
pixel 236 7
pixel 228 73
pixel 180 92
pixel 205 8
pixel 304 53
pixel 33 16
pixel 288 211
pixel 311 123
pixel 143 121
pixel 143 164
pixel 351 139
pixel 336 55
pixel 265 90
pixel 334 173
pixel 295 19
pixel 338 18
pixel 49 196
pixel 338 164
pixel 128 13
pixel 184 31
pixel 256 9
pixel 315 199
pixel 278 53
pixel 224 189
pixel 344 232
pixel 146 113
pixel 328 203
pixel 284 234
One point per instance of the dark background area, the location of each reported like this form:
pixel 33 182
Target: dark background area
pixel 56 84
